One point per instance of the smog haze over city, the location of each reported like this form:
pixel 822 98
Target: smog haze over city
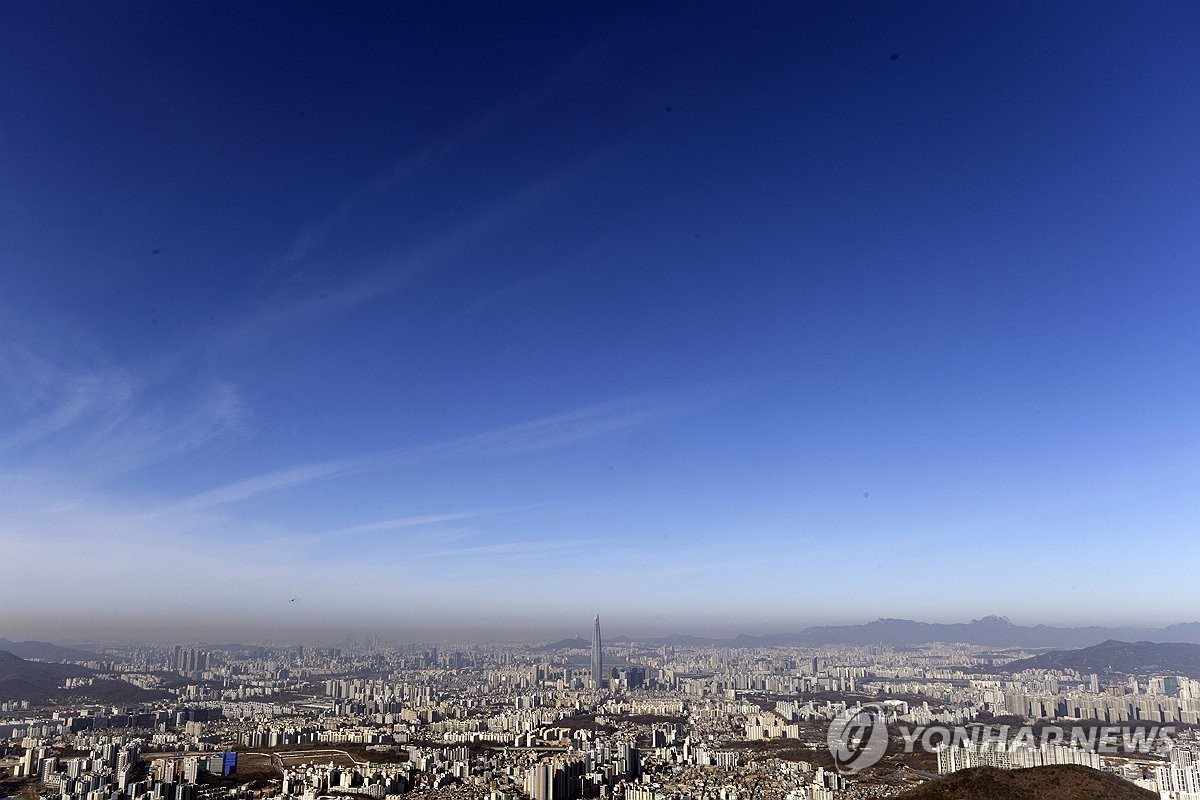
pixel 435 321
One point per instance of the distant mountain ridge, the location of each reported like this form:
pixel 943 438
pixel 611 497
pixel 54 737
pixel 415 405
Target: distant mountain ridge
pixel 990 631
pixel 45 651
pixel 39 682
pixel 566 644
pixel 33 680
pixel 1173 658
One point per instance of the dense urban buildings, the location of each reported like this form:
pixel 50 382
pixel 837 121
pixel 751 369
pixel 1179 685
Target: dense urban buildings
pixel 513 721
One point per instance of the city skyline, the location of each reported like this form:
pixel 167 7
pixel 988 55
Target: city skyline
pixel 408 320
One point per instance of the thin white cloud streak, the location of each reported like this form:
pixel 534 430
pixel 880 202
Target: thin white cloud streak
pixel 98 417
pixel 76 413
pixel 74 404
pixel 51 396
pixel 501 295
pixel 146 433
pixel 397 272
pixel 315 235
pixel 401 522
pixel 519 548
pixel 393 524
pixel 427 157
pixel 106 536
pixel 271 482
pixel 558 430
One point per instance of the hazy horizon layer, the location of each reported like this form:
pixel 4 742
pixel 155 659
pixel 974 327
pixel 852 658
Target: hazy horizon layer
pixel 112 631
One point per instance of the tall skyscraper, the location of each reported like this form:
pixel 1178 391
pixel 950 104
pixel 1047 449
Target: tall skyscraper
pixel 597 653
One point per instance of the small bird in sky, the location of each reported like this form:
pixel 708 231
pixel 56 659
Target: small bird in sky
pixel 294 599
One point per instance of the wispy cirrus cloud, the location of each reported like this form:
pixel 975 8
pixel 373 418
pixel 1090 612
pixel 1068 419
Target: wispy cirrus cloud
pixel 272 482
pixel 502 295
pixel 545 433
pixel 425 158
pixel 77 412
pixel 422 522
pixel 515 548
pixel 85 413
pixel 288 308
pixel 400 522
pixel 76 398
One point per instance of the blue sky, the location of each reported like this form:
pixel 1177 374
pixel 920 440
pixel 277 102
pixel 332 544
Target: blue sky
pixel 709 319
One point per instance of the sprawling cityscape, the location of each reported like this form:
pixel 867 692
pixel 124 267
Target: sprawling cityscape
pixel 627 720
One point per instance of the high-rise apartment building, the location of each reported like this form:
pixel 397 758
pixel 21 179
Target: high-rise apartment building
pixel 597 654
